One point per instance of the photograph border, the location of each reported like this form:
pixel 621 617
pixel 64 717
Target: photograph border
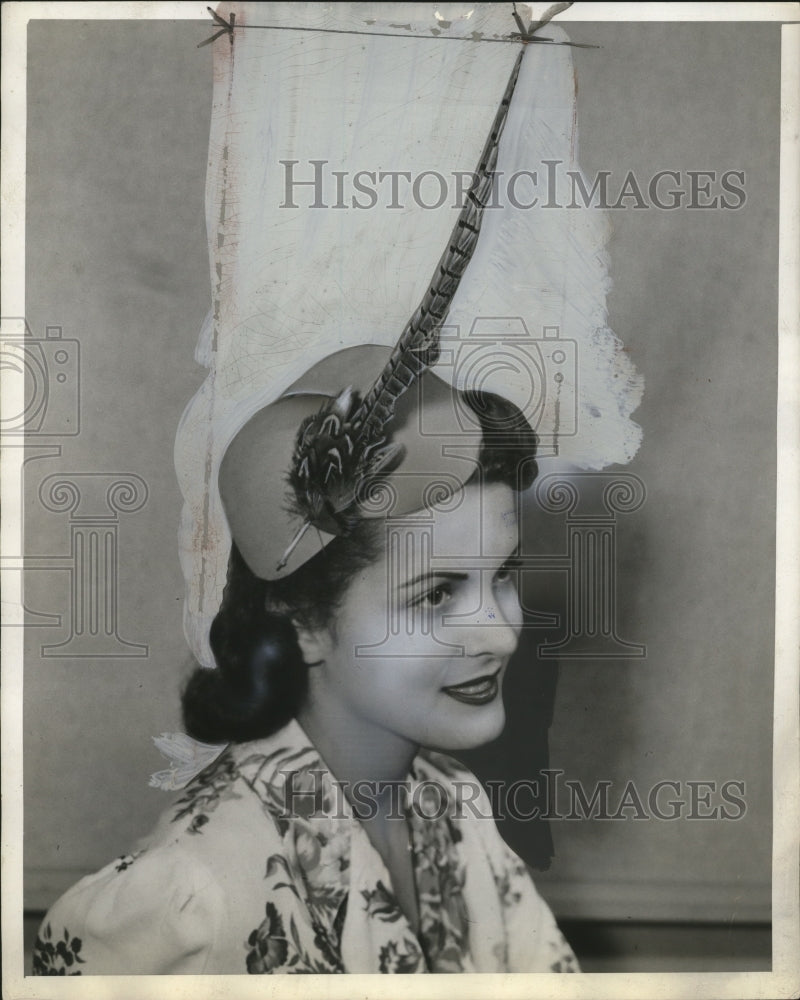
pixel 784 979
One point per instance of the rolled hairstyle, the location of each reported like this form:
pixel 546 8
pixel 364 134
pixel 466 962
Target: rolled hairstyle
pixel 261 678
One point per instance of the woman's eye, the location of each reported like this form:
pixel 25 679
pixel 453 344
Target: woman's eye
pixel 508 572
pixel 435 597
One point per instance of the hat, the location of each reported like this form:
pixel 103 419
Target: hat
pixel 254 473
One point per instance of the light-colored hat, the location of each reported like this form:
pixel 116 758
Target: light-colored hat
pixel 253 476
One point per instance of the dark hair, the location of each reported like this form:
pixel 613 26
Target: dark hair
pixel 261 679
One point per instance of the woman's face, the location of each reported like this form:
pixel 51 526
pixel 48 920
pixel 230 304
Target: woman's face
pixel 423 637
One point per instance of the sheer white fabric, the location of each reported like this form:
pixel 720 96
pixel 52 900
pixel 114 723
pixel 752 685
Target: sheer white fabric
pixel 381 88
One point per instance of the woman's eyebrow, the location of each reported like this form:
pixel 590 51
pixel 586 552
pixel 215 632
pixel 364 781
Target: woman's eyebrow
pixel 434 575
pixel 452 575
pixel 513 558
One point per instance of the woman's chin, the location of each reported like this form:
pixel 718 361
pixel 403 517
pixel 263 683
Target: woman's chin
pixel 485 724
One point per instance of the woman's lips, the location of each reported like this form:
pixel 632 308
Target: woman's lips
pixel 480 691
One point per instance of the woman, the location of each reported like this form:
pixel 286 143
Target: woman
pixel 324 839
pixel 368 620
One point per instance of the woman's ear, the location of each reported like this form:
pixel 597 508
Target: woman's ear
pixel 315 644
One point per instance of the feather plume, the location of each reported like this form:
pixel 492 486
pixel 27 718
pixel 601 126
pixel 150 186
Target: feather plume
pixel 345 444
pixel 328 464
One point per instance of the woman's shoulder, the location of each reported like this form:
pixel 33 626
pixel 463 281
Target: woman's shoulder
pixel 155 910
pixel 252 774
pixel 161 907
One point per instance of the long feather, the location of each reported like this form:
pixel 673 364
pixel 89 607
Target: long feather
pixel 345 443
pixel 418 346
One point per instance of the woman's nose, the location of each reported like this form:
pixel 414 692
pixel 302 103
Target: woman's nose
pixel 498 636
pixel 495 627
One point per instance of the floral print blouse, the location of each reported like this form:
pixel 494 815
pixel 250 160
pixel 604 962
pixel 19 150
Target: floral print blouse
pixel 263 867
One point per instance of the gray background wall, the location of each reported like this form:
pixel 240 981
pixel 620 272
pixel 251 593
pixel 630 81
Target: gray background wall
pixel 116 256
